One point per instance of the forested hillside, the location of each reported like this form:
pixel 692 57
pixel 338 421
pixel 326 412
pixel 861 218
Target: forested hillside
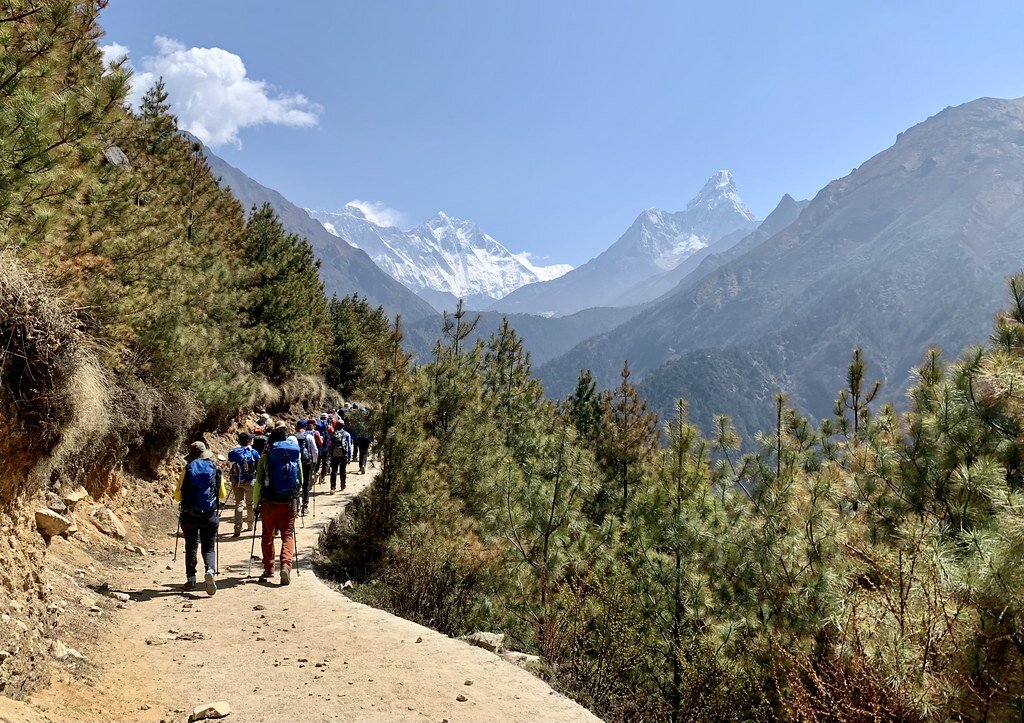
pixel 138 303
pixel 865 568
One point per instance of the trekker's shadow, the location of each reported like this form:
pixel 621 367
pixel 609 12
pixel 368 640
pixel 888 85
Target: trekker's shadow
pixel 175 590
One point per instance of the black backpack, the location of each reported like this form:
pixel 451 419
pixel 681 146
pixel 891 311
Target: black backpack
pixel 307 458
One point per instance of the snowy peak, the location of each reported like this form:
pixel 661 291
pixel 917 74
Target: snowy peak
pixel 443 255
pixel 719 201
pixel 657 242
pixel 666 239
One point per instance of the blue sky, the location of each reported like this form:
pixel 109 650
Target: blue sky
pixel 553 124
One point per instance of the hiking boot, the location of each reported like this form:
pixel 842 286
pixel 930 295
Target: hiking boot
pixel 267 574
pixel 211 584
pixel 305 509
pixel 190 584
pixel 335 489
pixel 237 533
pixel 286 576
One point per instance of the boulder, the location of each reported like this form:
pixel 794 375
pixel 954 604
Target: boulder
pixel 523 660
pixel 50 523
pixel 220 709
pixel 106 521
pixel 55 503
pixel 73 497
pixel 493 642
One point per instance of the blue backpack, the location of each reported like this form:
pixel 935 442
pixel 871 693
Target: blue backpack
pixel 282 482
pixel 201 487
pixel 243 465
pixel 321 426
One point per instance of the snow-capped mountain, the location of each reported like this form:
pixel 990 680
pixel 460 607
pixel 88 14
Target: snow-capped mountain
pixel 657 241
pixel 442 259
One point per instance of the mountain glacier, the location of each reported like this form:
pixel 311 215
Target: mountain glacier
pixel 442 259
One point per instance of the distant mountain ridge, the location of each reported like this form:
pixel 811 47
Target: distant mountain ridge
pixel 344 269
pixel 443 259
pixel 911 249
pixel 656 242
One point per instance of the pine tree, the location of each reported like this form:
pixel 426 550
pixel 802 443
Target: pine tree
pixel 625 444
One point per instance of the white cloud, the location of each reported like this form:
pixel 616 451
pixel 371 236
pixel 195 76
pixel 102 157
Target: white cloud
pixel 380 213
pixel 113 52
pixel 211 93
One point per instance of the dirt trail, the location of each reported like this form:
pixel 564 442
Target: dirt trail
pixel 309 654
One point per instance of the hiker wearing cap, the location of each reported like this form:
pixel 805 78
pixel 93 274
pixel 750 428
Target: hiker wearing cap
pixel 340 452
pixel 243 460
pixel 275 494
pixel 309 456
pixel 200 492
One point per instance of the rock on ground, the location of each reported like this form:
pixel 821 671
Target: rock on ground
pixel 494 642
pixel 51 524
pixel 107 522
pixel 73 497
pixel 220 709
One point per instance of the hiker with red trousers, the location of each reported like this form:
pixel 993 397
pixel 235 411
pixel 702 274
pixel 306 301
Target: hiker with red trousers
pixel 276 494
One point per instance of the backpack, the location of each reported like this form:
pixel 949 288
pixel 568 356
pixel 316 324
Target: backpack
pixel 200 490
pixel 307 458
pixel 321 427
pixel 282 481
pixel 340 446
pixel 243 465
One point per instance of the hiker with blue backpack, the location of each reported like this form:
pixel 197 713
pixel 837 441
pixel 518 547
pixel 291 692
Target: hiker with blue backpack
pixel 200 492
pixel 243 460
pixel 276 493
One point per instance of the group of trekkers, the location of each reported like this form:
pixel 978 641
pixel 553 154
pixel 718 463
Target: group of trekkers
pixel 270 473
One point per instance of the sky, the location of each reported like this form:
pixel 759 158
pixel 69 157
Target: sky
pixel 553 124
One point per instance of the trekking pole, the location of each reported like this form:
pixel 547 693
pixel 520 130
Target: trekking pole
pixel 177 536
pixel 295 552
pixel 252 548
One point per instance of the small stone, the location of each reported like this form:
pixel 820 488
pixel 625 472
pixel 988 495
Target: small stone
pixel 419 640
pixel 144 706
pixel 259 607
pixel 94 609
pixel 461 698
pixel 168 568
pixel 468 682
pixel 120 596
pixel 220 709
pixel 50 523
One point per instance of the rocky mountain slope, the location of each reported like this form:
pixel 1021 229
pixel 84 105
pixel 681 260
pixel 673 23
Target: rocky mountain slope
pixel 443 259
pixel 910 249
pixel 658 241
pixel 344 269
